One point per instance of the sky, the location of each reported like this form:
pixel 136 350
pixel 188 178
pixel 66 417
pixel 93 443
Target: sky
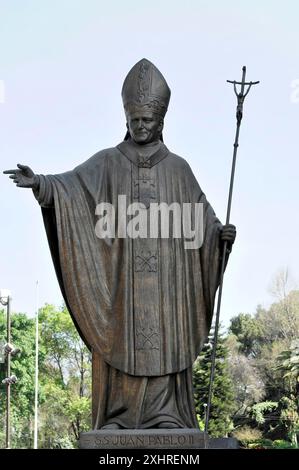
pixel 62 66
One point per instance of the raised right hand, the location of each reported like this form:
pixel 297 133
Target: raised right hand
pixel 23 176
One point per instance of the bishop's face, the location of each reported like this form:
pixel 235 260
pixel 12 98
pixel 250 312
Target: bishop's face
pixel 144 127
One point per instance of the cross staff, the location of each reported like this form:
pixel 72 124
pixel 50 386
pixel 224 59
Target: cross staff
pixel 239 114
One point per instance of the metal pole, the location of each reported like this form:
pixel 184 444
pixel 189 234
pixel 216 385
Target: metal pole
pixel 224 253
pixel 36 374
pixel 8 330
pixel 239 114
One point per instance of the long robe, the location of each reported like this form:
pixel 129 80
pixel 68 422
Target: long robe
pixel 143 306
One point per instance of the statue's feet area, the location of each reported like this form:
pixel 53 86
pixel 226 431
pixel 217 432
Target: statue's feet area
pixel 167 425
pixel 163 425
pixel 111 426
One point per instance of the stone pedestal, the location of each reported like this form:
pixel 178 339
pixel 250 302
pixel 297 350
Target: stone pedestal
pixel 152 439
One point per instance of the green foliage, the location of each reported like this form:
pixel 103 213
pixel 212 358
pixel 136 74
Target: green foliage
pixel 261 444
pixel 256 387
pixel 289 417
pixel 266 346
pixel 247 435
pixel 268 444
pixel 220 423
pixel 64 380
pixel 289 361
pixel 23 366
pixel 247 332
pixel 248 386
pixel 252 438
pixel 281 444
pixel 259 410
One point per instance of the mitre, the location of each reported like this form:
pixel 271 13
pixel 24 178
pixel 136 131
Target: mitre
pixel 145 87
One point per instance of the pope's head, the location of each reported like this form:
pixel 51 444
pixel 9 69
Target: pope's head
pixel 145 95
pixel 144 126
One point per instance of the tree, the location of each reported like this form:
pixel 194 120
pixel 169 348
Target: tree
pixel 64 380
pixel 22 393
pixel 289 364
pixel 247 382
pixel 264 349
pixel 248 333
pixel 65 377
pixel 222 406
